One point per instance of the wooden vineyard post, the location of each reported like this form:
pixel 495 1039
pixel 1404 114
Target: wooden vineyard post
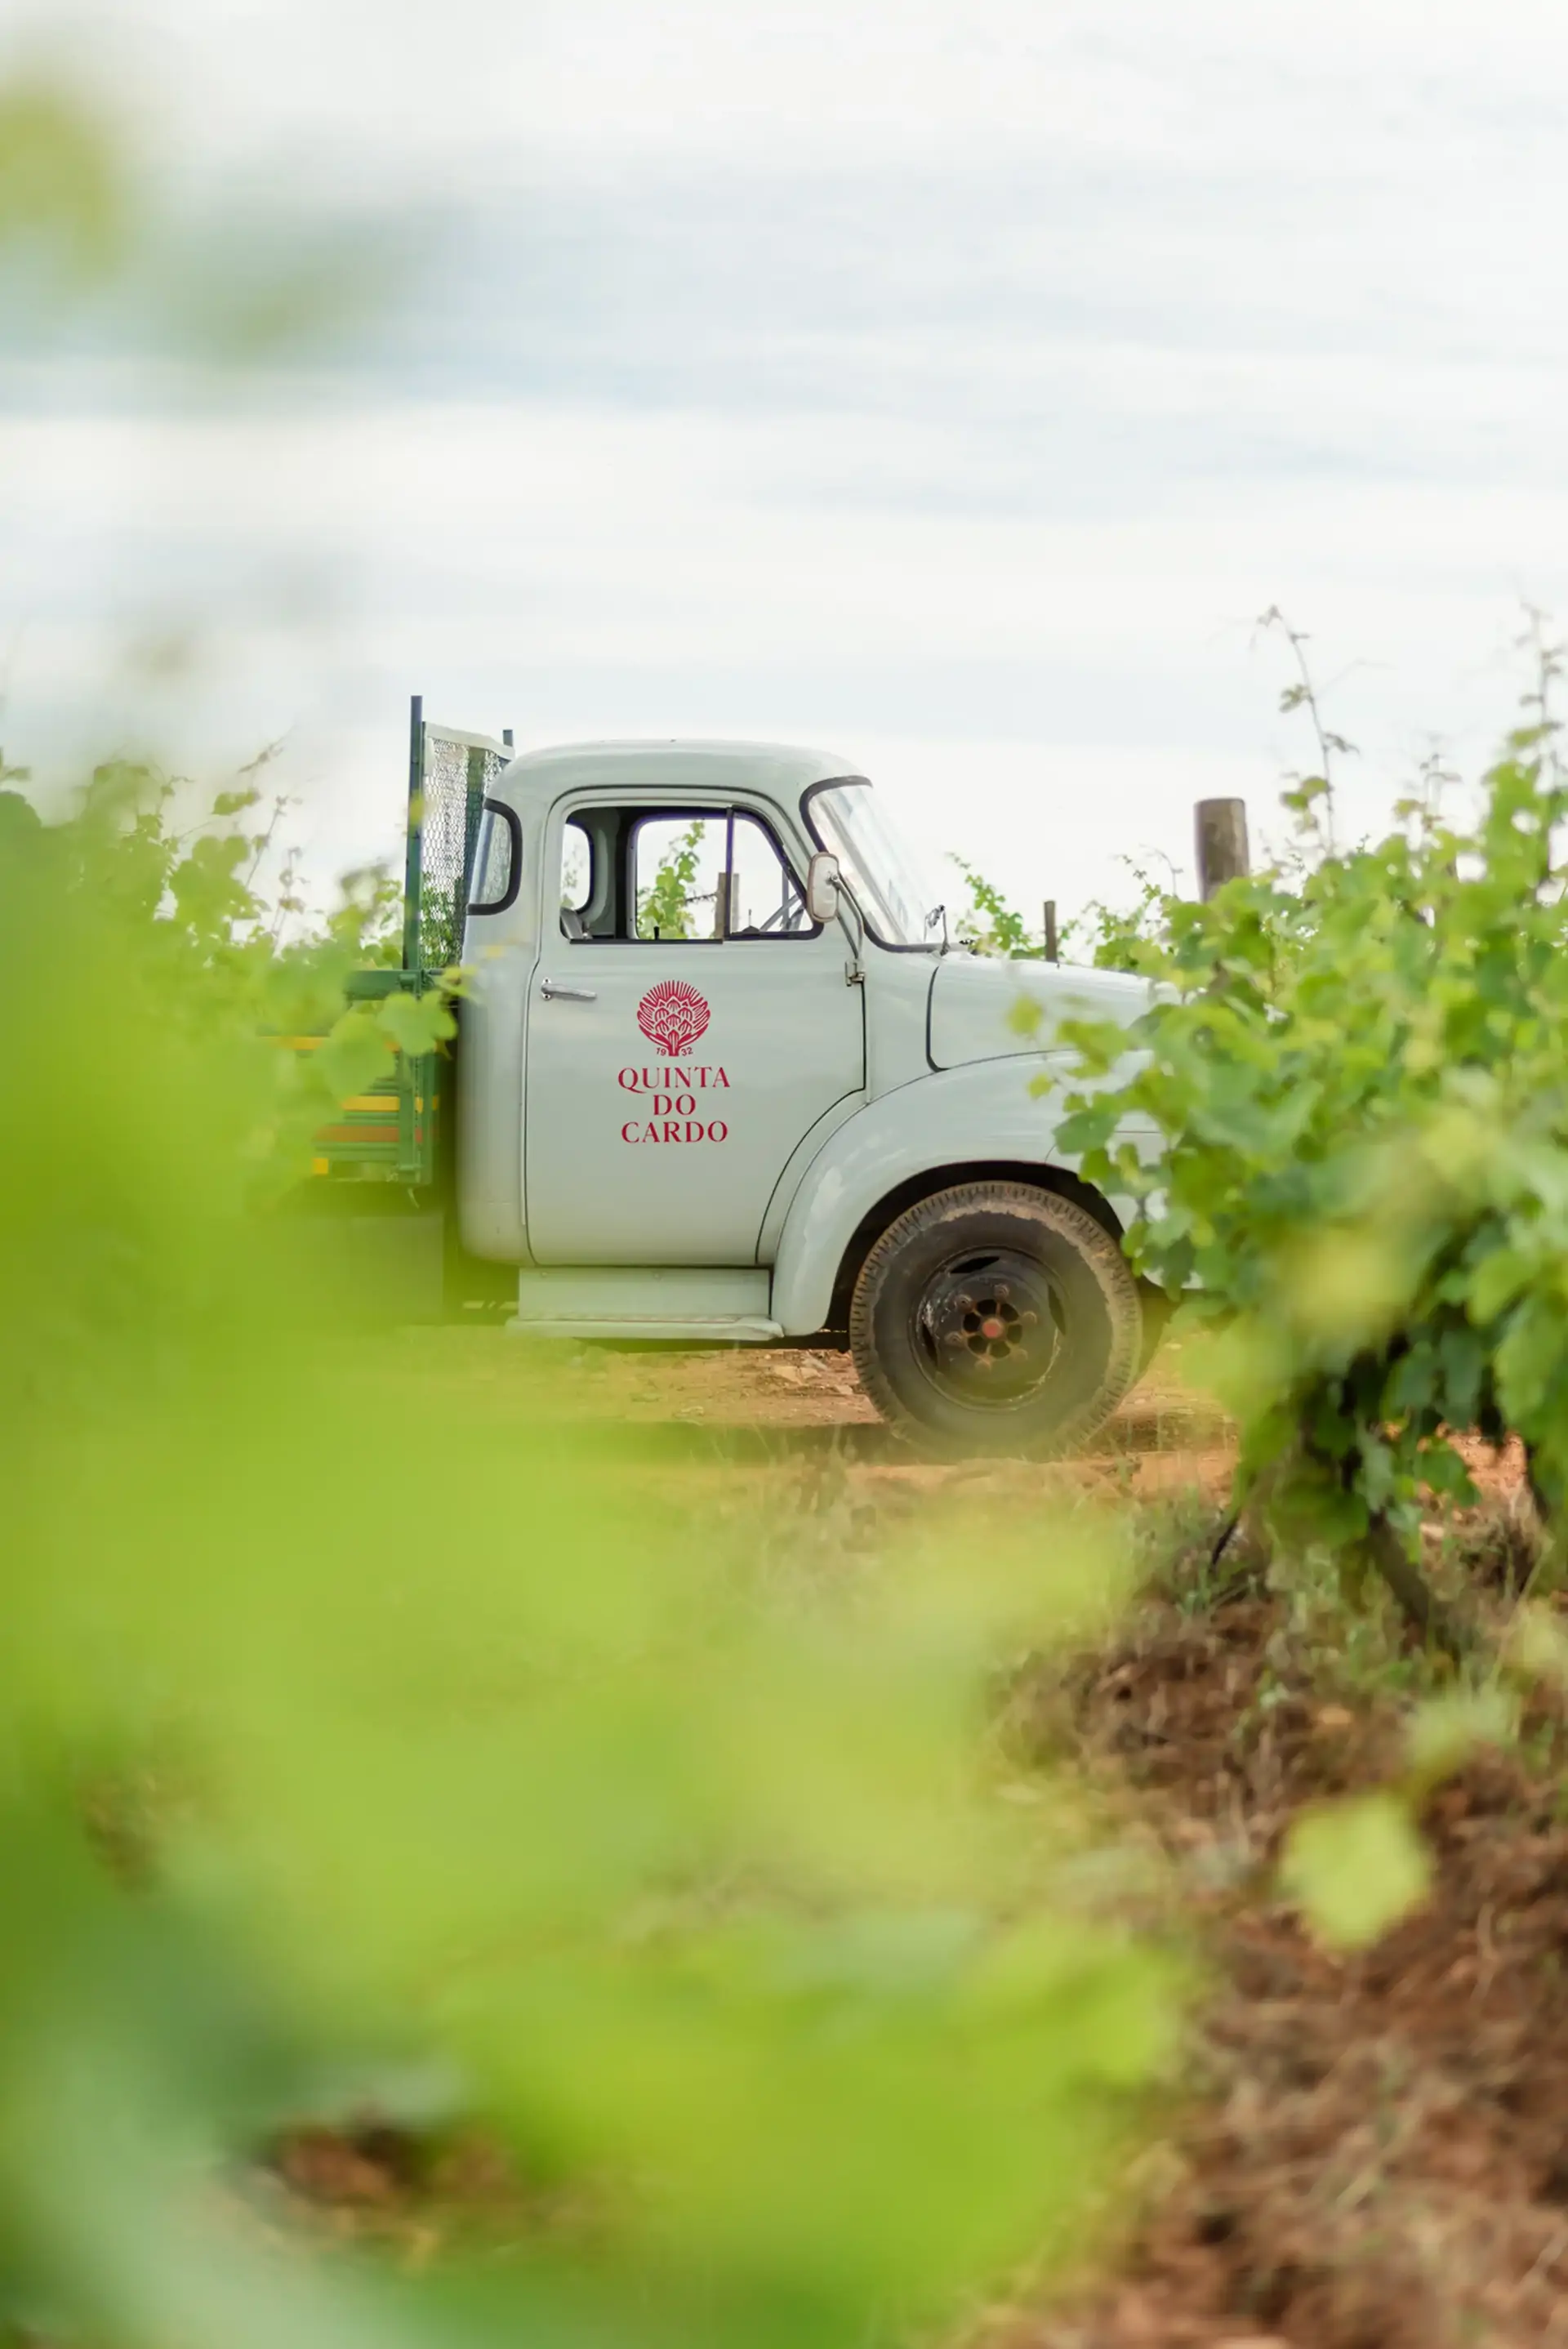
pixel 1220 830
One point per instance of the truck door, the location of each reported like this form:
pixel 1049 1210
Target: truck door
pixel 688 1025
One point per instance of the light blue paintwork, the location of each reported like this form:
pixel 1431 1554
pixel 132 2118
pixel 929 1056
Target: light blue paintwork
pixel 598 1200
pixel 633 1156
pixel 983 1114
pixel 852 1069
pixel 691 1302
pixel 977 1005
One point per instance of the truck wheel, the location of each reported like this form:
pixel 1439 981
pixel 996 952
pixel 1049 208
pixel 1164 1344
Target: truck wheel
pixel 996 1318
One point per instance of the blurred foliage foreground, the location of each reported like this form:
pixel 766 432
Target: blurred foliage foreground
pixel 359 1758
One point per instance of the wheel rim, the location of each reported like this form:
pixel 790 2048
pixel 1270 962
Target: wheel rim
pixel 989 1327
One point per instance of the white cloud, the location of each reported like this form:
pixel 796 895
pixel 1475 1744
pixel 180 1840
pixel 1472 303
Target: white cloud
pixel 1048 695
pixel 951 379
pixel 486 86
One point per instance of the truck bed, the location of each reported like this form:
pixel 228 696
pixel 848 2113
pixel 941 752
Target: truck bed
pixel 394 1131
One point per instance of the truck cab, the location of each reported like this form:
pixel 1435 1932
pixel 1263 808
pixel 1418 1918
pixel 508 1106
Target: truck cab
pixel 724 1080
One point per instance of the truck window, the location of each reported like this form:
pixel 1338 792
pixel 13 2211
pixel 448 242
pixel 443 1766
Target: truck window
pixel 702 877
pixel 497 874
pixel 902 907
pixel 576 878
pixel 766 899
pixel 676 866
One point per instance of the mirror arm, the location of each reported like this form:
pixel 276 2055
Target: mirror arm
pixel 854 969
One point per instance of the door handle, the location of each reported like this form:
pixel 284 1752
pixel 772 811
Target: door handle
pixel 554 992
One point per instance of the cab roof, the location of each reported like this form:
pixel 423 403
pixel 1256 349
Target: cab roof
pixel 775 770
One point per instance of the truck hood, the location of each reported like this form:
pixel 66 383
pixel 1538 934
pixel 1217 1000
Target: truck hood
pixel 977 1005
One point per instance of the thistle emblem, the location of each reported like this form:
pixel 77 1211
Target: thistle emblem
pixel 673 1015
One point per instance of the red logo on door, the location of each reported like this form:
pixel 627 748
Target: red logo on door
pixel 673 1015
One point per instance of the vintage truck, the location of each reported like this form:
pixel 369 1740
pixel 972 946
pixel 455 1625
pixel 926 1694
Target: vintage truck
pixel 721 1078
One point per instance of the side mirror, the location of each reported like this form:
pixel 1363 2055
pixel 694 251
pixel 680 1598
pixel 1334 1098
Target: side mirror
pixel 822 886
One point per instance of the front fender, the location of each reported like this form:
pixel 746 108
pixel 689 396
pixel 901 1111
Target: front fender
pixel 971 1116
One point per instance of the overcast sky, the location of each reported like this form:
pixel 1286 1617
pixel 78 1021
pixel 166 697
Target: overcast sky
pixel 948 382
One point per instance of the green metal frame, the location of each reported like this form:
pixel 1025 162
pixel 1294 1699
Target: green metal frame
pixel 414 853
pixel 399 1144
pixel 392 1132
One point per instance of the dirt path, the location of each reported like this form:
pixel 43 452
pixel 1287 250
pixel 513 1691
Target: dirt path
pixel 1163 1439
pixel 1374 2153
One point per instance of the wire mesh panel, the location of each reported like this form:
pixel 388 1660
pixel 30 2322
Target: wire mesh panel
pixel 459 773
pixel 450 774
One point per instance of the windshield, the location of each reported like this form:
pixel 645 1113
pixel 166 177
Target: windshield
pixel 900 905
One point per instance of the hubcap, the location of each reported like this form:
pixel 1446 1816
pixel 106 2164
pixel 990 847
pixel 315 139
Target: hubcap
pixel 989 1327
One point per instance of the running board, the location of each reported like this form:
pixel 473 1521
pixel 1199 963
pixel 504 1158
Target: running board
pixel 682 1305
pixel 687 1333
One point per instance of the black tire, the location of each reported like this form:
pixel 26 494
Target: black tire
pixel 995 1317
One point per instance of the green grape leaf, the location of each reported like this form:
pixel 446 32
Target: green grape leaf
pixel 1355 1868
pixel 416 1023
pixel 1447 1731
pixel 355 1055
